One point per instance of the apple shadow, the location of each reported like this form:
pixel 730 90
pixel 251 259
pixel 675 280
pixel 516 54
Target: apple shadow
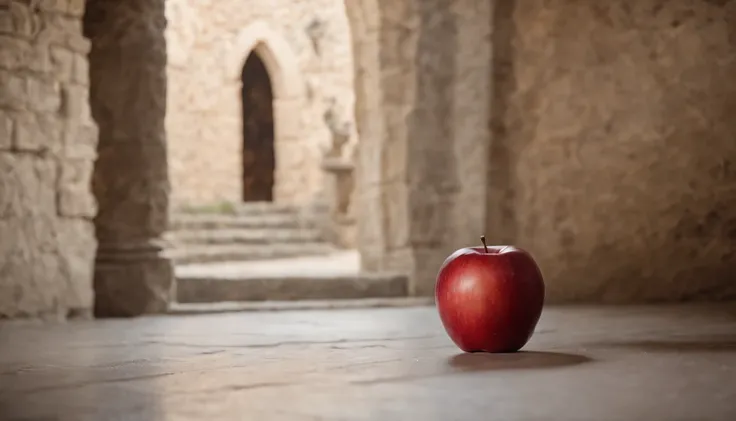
pixel 467 363
pixel 522 360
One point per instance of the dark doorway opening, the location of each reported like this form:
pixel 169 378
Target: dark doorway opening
pixel 259 157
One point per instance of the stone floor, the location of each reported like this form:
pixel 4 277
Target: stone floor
pixel 589 364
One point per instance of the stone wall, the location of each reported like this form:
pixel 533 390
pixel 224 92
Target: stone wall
pixel 614 151
pixel 47 150
pixel 208 43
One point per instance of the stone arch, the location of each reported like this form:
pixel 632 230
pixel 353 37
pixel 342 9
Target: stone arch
pixel 276 54
pixel 288 94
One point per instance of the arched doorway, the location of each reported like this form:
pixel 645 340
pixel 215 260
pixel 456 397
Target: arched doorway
pixel 259 158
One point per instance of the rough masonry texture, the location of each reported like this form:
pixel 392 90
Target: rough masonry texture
pixel 47 150
pixel 306 48
pixel 614 151
pixel 128 101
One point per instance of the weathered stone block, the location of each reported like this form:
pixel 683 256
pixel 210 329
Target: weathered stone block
pixel 74 102
pixel 6 22
pixel 27 186
pixel 44 95
pixel 39 59
pixel 79 44
pixel 63 31
pixel 13 52
pixel 47 266
pixel 13 90
pixel 6 130
pixel 62 61
pixel 77 242
pixel 74 189
pixel 127 286
pixel 37 132
pixel 81 70
pixel 53 6
pixel 24 22
pixel 75 7
pixel 80 140
pixel 29 274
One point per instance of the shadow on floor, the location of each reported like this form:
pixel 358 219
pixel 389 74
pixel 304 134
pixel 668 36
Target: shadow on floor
pixel 679 345
pixel 514 361
pixel 481 362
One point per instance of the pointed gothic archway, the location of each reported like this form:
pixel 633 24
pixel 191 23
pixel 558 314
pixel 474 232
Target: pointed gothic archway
pixel 269 61
pixel 259 154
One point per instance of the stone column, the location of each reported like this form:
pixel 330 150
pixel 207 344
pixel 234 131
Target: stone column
pixel 422 71
pixel 128 99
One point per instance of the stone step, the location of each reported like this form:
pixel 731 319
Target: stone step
pixel 181 221
pixel 329 304
pixel 265 208
pixel 245 252
pixel 244 236
pixel 214 289
pixel 241 209
pixel 246 208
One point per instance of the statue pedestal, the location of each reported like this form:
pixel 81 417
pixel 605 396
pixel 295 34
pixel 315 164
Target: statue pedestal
pixel 341 230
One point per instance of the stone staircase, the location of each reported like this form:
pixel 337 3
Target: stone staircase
pixel 251 231
pixel 259 252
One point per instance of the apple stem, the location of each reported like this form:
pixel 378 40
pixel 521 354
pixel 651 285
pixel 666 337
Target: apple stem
pixel 483 240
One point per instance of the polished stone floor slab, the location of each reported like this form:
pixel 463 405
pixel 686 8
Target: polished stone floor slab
pixel 584 363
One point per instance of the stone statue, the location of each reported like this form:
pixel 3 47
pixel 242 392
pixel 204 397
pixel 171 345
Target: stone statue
pixel 316 31
pixel 340 170
pixel 339 128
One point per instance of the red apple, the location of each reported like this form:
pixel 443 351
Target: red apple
pixel 490 298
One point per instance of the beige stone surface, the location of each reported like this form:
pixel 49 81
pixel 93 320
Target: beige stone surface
pixel 47 143
pixel 128 101
pixel 208 43
pixel 614 146
pixel 339 226
pixel 423 95
pixel 248 232
pixel 336 275
pixel 582 364
pixel 329 304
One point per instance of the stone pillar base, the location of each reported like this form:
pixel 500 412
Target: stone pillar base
pixel 132 282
